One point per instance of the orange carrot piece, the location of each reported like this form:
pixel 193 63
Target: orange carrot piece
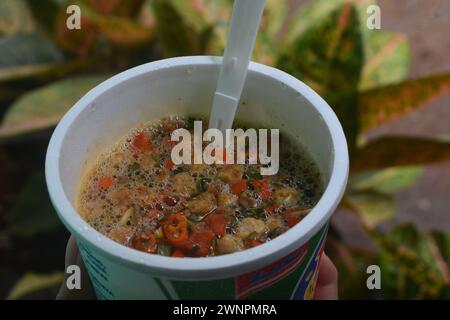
pixel 239 187
pixel 141 142
pixel 255 243
pixel 105 182
pixel 263 187
pixel 169 165
pixel 200 242
pixel 217 223
pixel 292 219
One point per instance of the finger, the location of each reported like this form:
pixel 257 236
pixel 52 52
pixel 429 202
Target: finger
pixel 327 282
pixel 73 257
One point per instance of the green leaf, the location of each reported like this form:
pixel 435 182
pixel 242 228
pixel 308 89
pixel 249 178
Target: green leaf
pixel 414 253
pixel 176 37
pixel 220 11
pixel 17 80
pixel 15 17
pixel 120 31
pixel 80 42
pixel 310 15
pixel 442 240
pixel 387 59
pixel 400 151
pixel 328 56
pixel 194 13
pixel 27 49
pixel 32 282
pixel 388 180
pixel 380 105
pixel 43 107
pixel 387 54
pixel 273 17
pixel 265 50
pixel 33 212
pixel 372 207
pixel 113 20
pixel 118 8
pixel 352 264
pixel 45 12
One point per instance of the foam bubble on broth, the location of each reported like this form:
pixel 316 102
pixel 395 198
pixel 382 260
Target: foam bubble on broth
pixel 140 178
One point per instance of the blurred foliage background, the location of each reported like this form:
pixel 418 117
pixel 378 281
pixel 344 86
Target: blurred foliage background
pixel 45 68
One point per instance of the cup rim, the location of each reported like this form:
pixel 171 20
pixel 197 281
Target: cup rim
pixel 203 267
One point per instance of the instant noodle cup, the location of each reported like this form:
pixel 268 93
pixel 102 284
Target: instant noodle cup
pixel 283 268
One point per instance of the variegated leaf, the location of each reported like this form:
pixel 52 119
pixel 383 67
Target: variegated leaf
pixel 174 35
pixel 381 105
pixel 414 253
pixel 371 206
pixel 310 15
pixel 329 58
pixel 32 282
pixel 387 180
pixel 43 107
pixel 400 151
pixel 387 59
pixel 15 16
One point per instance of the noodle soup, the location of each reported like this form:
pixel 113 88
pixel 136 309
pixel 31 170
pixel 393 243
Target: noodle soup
pixel 135 195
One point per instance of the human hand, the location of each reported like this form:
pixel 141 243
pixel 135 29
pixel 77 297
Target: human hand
pixel 73 257
pixel 327 281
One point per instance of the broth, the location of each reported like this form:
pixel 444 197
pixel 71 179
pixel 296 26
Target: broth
pixel 135 195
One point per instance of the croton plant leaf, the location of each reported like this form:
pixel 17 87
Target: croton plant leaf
pixel 311 14
pixel 324 55
pixel 44 12
pixel 22 75
pixel 15 81
pixel 372 207
pixel 194 13
pixel 42 108
pixel 27 49
pixel 32 282
pixel 443 241
pixel 118 8
pixel 380 105
pixel 352 264
pixel 79 41
pixel 15 17
pixel 33 212
pixel 329 57
pixel 387 54
pixel 400 151
pixel 387 59
pixel 120 31
pixel 265 50
pixel 26 56
pixel 273 18
pixel 220 11
pixel 387 180
pixel 115 20
pixel 417 254
pixel 176 36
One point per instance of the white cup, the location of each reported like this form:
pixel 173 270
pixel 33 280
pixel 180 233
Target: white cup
pixel 285 267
